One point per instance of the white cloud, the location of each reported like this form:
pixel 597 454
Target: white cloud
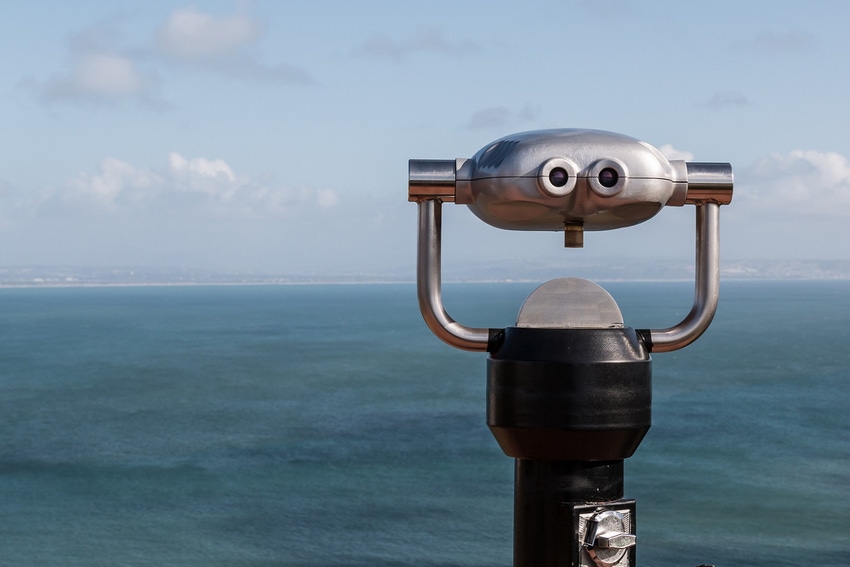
pixel 799 182
pixel 106 74
pixel 222 44
pixel 100 76
pixel 189 33
pixel 495 117
pixel 424 41
pixel 726 99
pixel 97 72
pixel 197 185
pixel 115 179
pixel 500 117
pixel 672 153
pixel 782 42
pixel 327 198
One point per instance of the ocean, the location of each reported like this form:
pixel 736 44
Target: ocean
pixel 326 426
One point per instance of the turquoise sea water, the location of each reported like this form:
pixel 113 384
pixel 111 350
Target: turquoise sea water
pixel 326 426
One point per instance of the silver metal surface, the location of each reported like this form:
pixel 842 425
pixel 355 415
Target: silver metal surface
pixel 707 284
pixel 430 179
pixel 606 538
pixel 429 287
pixel 570 303
pixel 616 541
pixel 505 186
pixel 709 182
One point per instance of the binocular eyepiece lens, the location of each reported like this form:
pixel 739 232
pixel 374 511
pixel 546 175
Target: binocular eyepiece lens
pixel 558 177
pixel 608 177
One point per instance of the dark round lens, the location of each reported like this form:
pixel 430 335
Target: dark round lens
pixel 558 176
pixel 608 177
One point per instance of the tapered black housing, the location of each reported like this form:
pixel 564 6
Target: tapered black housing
pixel 569 394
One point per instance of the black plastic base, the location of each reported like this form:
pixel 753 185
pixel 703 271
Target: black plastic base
pixel 569 394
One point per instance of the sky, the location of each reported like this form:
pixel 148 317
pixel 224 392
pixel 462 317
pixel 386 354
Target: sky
pixel 274 136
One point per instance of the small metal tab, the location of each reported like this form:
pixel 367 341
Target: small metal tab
pixel 573 235
pixel 616 541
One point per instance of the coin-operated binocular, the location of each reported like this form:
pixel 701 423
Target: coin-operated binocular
pixel 569 385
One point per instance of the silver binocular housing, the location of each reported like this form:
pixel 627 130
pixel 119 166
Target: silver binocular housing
pixel 568 179
pixel 571 180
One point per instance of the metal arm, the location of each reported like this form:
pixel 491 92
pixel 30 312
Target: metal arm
pixel 709 185
pixel 428 284
pixel 707 285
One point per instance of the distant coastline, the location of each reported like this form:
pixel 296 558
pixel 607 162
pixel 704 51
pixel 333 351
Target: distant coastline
pixel 511 271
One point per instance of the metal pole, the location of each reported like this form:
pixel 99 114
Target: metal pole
pixel 546 494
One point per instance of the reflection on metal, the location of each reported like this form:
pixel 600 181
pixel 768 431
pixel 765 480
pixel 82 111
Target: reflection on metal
pixel 429 288
pixel 707 285
pixel 570 303
pixel 431 179
pixel 709 183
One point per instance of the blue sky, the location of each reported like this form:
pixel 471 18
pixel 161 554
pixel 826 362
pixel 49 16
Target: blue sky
pixel 274 136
